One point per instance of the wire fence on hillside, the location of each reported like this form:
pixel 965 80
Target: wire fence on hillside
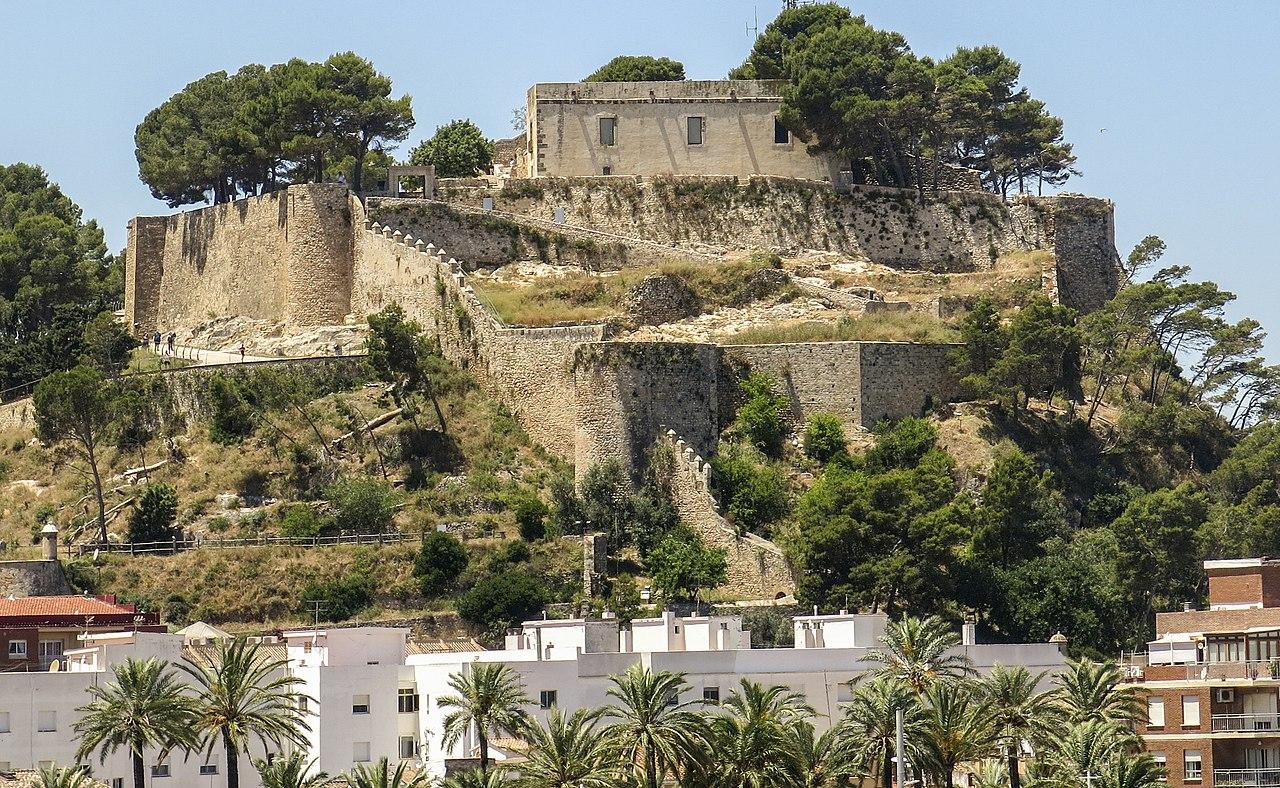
pixel 216 543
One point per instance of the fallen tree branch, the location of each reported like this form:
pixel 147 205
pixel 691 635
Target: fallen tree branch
pixel 369 426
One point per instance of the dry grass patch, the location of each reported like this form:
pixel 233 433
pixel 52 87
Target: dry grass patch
pixel 881 327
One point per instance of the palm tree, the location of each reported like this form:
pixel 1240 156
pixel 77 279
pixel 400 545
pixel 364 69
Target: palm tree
pixel 64 777
pixel 824 761
pixel 244 694
pixel 381 775
pixel 1093 691
pixel 959 727
pixel 290 771
pixel 1137 770
pixel 491 698
pixel 143 707
pixel 991 773
pixel 870 724
pixel 493 778
pixel 1087 748
pixel 570 752
pixel 915 652
pixel 1023 713
pixel 751 739
pixel 655 731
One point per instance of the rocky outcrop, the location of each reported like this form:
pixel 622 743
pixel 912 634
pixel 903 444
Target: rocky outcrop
pixel 661 298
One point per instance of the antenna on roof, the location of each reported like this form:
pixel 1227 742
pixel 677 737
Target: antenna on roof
pixel 316 606
pixel 753 29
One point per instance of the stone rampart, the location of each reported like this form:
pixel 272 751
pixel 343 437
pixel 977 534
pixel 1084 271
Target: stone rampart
pixel 528 369
pixel 756 568
pixel 32 578
pixel 286 255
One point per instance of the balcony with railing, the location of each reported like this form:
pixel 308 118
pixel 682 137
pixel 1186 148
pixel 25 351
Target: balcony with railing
pixel 1246 778
pixel 1246 723
pixel 1138 668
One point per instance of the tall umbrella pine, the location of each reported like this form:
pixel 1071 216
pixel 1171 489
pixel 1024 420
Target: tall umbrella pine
pixel 243 695
pixel 489 698
pixel 918 652
pixel 656 731
pixel 143 707
pixel 1022 712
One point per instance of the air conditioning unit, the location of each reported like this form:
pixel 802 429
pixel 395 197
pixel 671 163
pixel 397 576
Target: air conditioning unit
pixel 1224 695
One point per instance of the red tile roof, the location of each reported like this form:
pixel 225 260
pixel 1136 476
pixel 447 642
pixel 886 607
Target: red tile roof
pixel 61 606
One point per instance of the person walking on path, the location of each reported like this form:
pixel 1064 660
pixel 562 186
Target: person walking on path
pixel 241 352
pixel 173 341
pixel 155 339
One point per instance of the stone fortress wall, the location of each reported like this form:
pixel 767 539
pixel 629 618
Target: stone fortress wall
pixel 286 255
pixel 953 232
pixel 578 394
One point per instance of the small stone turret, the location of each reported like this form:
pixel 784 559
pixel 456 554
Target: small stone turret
pixel 49 534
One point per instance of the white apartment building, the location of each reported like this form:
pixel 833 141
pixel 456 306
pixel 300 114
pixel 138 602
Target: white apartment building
pixel 371 697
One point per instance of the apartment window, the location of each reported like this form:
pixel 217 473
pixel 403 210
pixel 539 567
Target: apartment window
pixel 1225 649
pixel 302 704
pixel 160 770
pixel 408 747
pixel 547 699
pixel 1191 711
pixel 17 649
pixel 49 651
pixel 711 694
pixel 407 701
pixel 360 752
pixel 4 722
pixel 693 129
pixel 1155 712
pixel 46 721
pixel 208 768
pixel 117 782
pixel 781 134
pixel 359 704
pixel 1159 758
pixel 606 170
pixel 1191 764
pixel 608 131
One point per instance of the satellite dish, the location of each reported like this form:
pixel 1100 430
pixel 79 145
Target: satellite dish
pixel 54 666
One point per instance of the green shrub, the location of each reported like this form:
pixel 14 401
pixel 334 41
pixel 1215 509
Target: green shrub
pixel 300 521
pixel 759 418
pixel 754 493
pixel 769 628
pixel 362 504
pixel 44 513
pixel 514 552
pixel 219 524
pixel 682 565
pixel 531 517
pixel 339 599
pixel 231 419
pixel 440 560
pixel 500 601
pixel 824 437
pixel 153 519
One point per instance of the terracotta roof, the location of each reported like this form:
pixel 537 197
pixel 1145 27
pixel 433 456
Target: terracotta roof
pixel 61 606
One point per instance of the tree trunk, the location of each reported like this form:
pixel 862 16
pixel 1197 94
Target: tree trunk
pixel 1015 779
pixel 358 172
pixel 139 777
pixel 651 767
pixel 233 761
pixel 484 748
pixel 886 773
pixel 97 491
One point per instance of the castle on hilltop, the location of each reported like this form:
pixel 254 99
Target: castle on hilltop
pixel 626 175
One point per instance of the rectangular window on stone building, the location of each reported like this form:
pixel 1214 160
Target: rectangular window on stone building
pixel 1191 711
pixel 608 131
pixel 46 721
pixel 408 747
pixel 359 704
pixel 407 700
pixel 1155 711
pixel 693 129
pixel 1191 764
pixel 781 134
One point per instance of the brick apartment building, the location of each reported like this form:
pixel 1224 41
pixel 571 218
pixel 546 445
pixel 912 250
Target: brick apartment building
pixel 1212 678
pixel 35 631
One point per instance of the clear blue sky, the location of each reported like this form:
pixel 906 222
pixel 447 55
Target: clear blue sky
pixel 1187 92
